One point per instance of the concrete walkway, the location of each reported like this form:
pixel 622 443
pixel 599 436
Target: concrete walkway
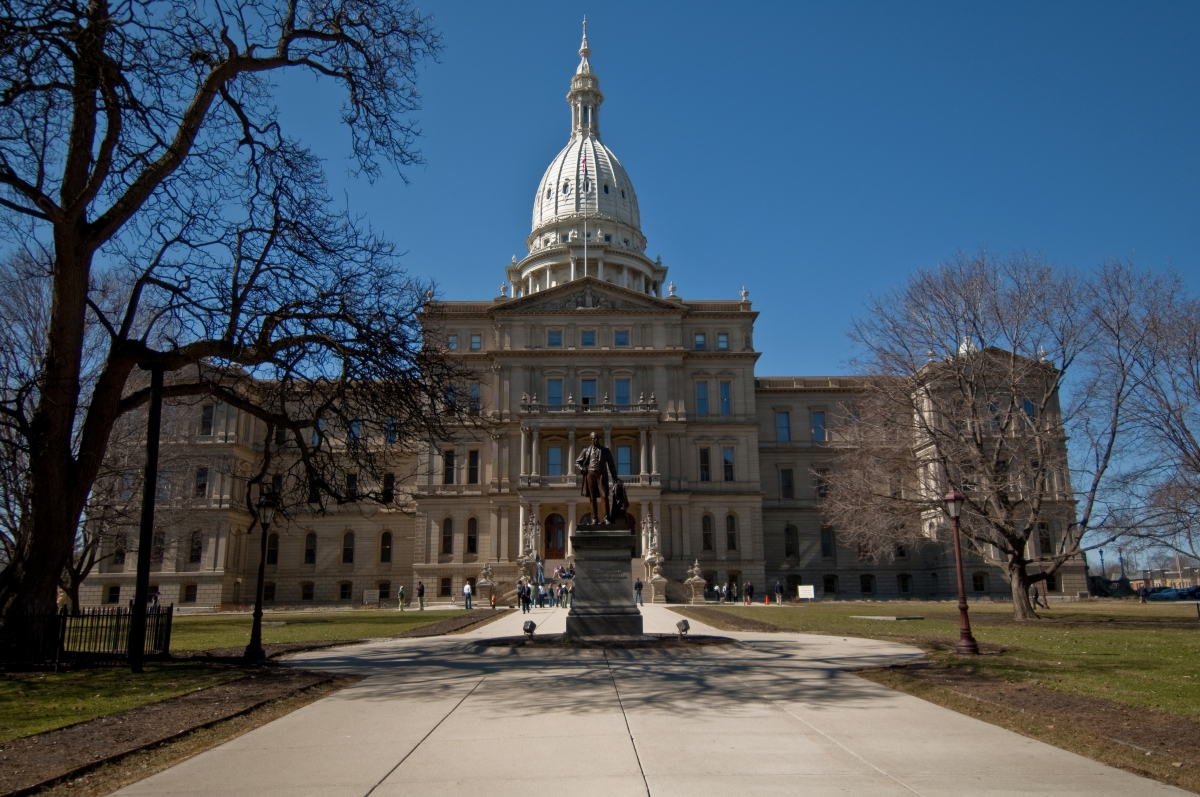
pixel 775 714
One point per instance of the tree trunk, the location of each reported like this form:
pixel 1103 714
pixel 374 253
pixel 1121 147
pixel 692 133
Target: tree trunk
pixel 1018 579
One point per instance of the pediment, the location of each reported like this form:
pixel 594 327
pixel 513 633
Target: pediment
pixel 584 295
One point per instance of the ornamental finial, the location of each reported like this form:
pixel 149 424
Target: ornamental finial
pixel 584 52
pixel 745 294
pixel 671 288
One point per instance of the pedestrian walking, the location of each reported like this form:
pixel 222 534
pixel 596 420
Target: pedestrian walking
pixel 421 594
pixel 778 592
pixel 1035 596
pixel 401 597
pixel 467 594
pixel 749 592
pixel 637 593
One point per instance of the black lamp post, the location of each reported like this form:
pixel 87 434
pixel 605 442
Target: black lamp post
pixel 966 643
pixel 267 504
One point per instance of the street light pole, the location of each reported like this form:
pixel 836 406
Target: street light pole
pixel 966 643
pixel 267 504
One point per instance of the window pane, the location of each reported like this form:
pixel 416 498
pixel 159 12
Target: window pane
pixel 624 460
pixel 206 419
pixel 623 391
pixel 476 342
pixel 705 466
pixel 554 461
pixel 554 392
pixel 726 398
pixel 701 341
pixel 730 533
pixel 702 398
pixel 452 342
pixel 385 547
pixel 621 337
pixel 348 549
pixel 587 337
pixel 448 536
pixel 554 337
pixel 310 549
pixel 723 340
pixel 787 485
pixel 791 542
pixel 588 392
pixel 783 426
pixel 827 542
pixel 447 467
pixel 706 533
pixel 473 467
pixel 727 461
pixel 818 419
pixel 472 536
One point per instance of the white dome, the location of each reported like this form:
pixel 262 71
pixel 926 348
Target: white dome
pixel 563 195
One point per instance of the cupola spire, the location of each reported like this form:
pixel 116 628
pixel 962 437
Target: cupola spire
pixel 585 95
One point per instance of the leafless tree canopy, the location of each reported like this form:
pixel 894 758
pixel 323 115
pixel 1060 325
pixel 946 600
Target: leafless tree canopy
pixel 977 373
pixel 141 154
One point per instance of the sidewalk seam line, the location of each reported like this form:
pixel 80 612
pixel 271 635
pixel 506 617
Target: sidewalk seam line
pixel 789 712
pixel 426 736
pixel 637 757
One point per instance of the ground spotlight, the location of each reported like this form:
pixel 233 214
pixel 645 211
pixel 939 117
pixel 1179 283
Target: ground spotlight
pixel 530 627
pixel 683 627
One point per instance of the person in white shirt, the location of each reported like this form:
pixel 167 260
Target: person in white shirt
pixel 467 594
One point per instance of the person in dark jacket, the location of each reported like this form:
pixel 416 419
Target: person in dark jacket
pixel 637 593
pixel 421 594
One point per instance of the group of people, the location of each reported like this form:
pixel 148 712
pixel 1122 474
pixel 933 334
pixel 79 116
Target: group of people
pixel 729 593
pixel 545 596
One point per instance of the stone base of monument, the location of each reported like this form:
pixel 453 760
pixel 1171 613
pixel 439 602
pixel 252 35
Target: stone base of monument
pixel 603 584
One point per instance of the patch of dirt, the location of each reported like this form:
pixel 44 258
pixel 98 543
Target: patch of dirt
pixel 34 761
pixel 455 624
pixel 727 622
pixel 1144 741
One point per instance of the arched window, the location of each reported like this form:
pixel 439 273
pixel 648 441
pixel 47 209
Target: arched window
pixel 791 543
pixel 348 548
pixel 272 549
pixel 310 550
pixel 706 533
pixel 606 188
pixel 472 535
pixel 448 536
pixel 385 547
pixel 555 530
pixel 866 584
pixel 730 533
pixel 566 188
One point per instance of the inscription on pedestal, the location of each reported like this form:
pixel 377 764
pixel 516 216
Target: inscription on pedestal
pixel 603 603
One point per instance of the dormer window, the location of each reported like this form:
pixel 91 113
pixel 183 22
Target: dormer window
pixel 566 188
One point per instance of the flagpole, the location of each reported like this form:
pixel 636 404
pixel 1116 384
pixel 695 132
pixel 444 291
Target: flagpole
pixel 585 190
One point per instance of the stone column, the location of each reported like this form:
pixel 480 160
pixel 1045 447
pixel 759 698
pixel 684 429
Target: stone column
pixel 644 475
pixel 572 269
pixel 494 476
pixel 524 453
pixel 494 534
pixel 570 527
pixel 533 471
pixel 537 542
pixel 504 523
pixel 608 435
pixel 654 474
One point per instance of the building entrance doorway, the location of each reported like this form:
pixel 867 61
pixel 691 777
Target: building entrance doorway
pixel 556 536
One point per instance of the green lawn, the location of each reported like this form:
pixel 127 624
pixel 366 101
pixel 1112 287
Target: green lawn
pixel 35 702
pixel 1142 655
pixel 208 631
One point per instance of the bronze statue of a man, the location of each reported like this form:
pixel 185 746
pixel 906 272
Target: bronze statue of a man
pixel 595 463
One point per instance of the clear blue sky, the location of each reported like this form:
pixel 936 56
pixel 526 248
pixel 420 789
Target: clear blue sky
pixel 813 152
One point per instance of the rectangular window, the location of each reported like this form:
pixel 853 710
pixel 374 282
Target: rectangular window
pixel 200 488
pixel 196 548
pixel 318 431
pixel 730 533
pixel 783 426
pixel 277 484
pixel 388 491
pixel 164 485
pixel 473 400
pixel 189 593
pixel 827 543
pixel 706 532
pixel 447 467
pixel 389 431
pixel 621 337
pixel 1030 409
pixel 444 588
pixel 280 435
pixel 587 393
pixel 554 461
pixel 705 466
pixel 345 590
pixel 314 492
pixel 787 483
pixel 447 536
pixel 822 482
pixel 554 338
pixel 726 398
pixel 385 590
pixel 351 486
pixel 702 398
pixel 700 341
pixel 452 342
pixel 476 342
pixel 624 460
pixel 554 396
pixel 723 341
pixel 114 594
pixel 206 419
pixel 1045 543
pixel 623 392
pixel 269 592
pixel 473 536
pixel 306 591
pixel 355 432
pixel 727 462
pixel 587 337
pixel 473 467
pixel 818 427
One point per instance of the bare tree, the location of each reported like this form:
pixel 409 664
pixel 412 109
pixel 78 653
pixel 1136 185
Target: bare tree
pixel 139 147
pixel 977 374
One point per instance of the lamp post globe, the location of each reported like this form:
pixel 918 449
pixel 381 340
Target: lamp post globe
pixel 267 504
pixel 953 503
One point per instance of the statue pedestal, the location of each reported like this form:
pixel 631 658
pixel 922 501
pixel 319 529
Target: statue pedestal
pixel 603 583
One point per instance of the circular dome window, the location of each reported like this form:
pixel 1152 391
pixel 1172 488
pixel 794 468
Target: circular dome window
pixel 566 188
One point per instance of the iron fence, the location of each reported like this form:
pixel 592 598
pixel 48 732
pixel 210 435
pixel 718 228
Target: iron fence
pixel 90 636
